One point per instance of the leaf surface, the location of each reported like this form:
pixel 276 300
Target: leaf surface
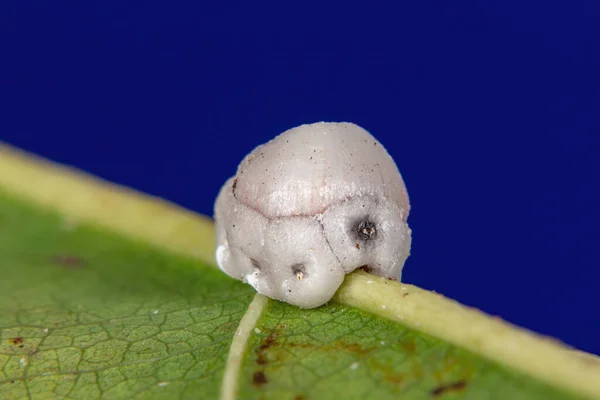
pixel 88 311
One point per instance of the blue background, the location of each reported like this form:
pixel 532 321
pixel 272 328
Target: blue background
pixel 491 113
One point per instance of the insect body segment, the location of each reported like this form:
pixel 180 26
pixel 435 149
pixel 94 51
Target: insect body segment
pixel 310 206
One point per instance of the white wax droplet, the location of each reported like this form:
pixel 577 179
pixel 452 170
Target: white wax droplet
pixel 252 280
pixel 220 254
pixel 296 211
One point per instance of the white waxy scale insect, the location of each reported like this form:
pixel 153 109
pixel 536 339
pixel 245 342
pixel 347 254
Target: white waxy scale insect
pixel 308 207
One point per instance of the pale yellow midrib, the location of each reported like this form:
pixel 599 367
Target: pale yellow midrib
pixel 542 357
pixel 82 197
pixel 231 375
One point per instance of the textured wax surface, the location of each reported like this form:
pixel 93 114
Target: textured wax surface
pixel 311 205
pixel 309 168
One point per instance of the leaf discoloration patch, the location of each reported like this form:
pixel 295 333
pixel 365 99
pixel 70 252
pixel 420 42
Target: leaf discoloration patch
pixel 450 387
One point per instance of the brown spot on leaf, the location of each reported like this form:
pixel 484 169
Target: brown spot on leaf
pixel 405 294
pixel 70 262
pixel 17 341
pixel 259 378
pixel 268 341
pixel 269 349
pixel 390 375
pixel 265 345
pixel 300 345
pixel 260 360
pixel 338 346
pixel 445 370
pixel 409 347
pixel 395 379
pixel 352 347
pixel 299 397
pixel 450 387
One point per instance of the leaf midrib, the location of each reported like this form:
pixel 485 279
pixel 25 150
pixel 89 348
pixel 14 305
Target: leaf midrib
pixel 238 347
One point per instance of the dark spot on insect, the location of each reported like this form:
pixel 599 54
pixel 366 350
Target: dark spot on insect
pixel 451 387
pixel 259 378
pixel 17 341
pixel 367 268
pixel 357 246
pixel 255 263
pixel 299 271
pixel 70 262
pixel 234 184
pixel 366 230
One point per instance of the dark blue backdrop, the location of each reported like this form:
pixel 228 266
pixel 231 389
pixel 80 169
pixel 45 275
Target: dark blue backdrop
pixel 490 111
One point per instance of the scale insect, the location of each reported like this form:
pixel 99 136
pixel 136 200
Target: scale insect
pixel 308 207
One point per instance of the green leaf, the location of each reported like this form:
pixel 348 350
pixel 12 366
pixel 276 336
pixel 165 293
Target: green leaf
pixel 106 293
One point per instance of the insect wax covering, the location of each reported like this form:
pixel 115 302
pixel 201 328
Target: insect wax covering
pixel 308 207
